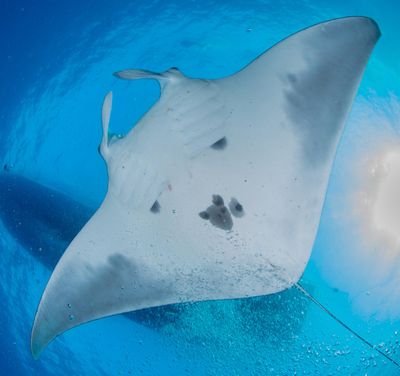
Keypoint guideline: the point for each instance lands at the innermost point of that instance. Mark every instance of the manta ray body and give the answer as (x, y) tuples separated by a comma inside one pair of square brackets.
[(217, 191)]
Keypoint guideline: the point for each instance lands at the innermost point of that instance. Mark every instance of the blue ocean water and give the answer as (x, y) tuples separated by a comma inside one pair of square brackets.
[(58, 57)]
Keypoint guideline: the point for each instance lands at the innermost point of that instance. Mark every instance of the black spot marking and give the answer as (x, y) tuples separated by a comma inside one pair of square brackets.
[(220, 144), (218, 214), (217, 200), (155, 208), (236, 208), (220, 217), (204, 215)]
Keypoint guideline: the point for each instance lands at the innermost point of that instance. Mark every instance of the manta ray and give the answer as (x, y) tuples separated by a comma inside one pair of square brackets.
[(217, 191)]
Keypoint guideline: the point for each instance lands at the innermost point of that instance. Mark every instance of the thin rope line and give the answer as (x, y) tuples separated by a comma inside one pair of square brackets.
[(369, 344)]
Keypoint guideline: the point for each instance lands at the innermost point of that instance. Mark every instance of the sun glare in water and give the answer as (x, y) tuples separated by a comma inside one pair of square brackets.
[(378, 202)]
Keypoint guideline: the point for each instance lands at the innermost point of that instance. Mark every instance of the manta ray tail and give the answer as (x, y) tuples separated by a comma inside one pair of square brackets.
[(340, 322)]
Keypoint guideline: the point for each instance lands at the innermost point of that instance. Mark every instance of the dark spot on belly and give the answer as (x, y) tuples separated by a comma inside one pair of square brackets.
[(236, 208), (204, 215), (217, 200), (155, 208), (220, 217), (218, 214), (220, 144)]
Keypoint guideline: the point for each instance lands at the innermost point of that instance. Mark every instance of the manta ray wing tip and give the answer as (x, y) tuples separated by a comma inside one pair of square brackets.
[(41, 335), (373, 25), (36, 347), (36, 344), (363, 22)]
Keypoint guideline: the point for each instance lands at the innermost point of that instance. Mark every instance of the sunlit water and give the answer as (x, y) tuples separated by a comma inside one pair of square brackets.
[(57, 63)]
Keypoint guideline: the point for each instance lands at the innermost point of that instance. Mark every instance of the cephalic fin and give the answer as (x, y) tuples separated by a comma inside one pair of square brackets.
[(138, 74), (105, 117)]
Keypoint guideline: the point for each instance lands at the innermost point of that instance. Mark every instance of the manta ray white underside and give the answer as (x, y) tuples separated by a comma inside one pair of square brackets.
[(217, 192)]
